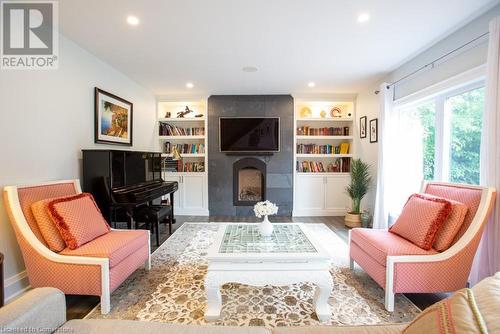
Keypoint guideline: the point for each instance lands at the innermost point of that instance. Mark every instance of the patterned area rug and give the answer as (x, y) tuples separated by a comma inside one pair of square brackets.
[(173, 292)]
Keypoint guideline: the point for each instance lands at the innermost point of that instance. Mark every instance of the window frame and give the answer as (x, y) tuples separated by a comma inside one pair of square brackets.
[(440, 94)]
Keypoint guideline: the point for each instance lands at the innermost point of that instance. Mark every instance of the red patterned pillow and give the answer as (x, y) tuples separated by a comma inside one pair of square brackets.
[(421, 219), (46, 225), (446, 234), (78, 219)]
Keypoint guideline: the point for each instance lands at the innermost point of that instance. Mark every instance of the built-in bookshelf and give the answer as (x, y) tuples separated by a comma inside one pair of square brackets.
[(323, 150), (323, 136), (183, 125)]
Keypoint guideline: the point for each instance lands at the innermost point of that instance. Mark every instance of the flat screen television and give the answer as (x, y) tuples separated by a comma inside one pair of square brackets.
[(249, 134)]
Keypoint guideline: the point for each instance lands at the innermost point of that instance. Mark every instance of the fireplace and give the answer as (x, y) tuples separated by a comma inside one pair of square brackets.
[(249, 181)]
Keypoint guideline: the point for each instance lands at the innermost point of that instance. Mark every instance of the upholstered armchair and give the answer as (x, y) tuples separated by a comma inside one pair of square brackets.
[(399, 266), (96, 268)]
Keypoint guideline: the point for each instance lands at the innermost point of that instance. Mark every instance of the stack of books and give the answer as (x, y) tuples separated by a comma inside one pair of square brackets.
[(194, 167), (331, 131), (185, 148), (310, 167), (343, 148), (174, 130), (170, 165), (341, 165)]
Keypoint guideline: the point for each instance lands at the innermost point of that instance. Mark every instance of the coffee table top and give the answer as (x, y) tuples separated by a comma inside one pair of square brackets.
[(245, 238), (242, 241)]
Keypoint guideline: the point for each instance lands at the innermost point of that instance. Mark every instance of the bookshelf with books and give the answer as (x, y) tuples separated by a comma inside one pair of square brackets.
[(182, 136), (324, 147)]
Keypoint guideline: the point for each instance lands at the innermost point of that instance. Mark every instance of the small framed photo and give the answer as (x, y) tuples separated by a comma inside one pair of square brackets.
[(113, 119), (362, 127), (374, 130)]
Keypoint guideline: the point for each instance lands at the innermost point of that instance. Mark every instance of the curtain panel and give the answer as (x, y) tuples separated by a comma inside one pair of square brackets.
[(487, 260)]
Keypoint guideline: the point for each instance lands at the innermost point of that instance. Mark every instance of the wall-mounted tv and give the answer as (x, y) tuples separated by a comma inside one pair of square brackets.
[(249, 134)]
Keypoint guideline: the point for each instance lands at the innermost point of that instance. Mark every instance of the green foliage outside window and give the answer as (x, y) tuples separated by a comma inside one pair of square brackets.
[(466, 124), (465, 117), (427, 112)]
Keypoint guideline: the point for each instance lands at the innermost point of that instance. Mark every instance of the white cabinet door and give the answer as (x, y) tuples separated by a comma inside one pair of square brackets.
[(193, 193), (309, 193), (178, 194), (336, 199)]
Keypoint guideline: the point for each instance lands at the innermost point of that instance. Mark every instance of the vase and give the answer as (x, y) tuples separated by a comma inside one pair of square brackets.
[(266, 228)]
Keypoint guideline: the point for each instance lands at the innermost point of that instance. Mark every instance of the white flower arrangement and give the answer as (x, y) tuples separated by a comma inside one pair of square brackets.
[(265, 208)]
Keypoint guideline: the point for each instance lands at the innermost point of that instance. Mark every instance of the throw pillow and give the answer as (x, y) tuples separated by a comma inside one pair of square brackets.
[(421, 219), (458, 313), (78, 219), (48, 229), (451, 225)]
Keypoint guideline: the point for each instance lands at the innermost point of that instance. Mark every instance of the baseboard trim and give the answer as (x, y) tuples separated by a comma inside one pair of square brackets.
[(318, 213), (191, 212), (16, 285)]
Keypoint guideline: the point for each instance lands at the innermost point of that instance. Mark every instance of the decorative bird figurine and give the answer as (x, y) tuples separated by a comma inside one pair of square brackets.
[(186, 111)]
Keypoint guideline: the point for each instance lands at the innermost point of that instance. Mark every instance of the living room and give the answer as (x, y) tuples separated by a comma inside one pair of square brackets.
[(249, 166)]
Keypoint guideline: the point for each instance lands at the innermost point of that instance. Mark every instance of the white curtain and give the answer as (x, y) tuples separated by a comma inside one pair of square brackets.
[(487, 260), (381, 214), (404, 158), (400, 164)]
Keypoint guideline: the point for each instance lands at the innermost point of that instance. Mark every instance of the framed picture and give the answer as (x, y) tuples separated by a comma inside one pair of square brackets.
[(113, 119), (362, 127), (374, 130)]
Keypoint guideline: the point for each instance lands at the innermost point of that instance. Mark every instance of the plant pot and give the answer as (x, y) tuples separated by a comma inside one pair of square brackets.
[(352, 220), (266, 228)]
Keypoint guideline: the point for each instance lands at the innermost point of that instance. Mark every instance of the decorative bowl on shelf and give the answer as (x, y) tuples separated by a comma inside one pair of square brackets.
[(305, 112), (336, 112)]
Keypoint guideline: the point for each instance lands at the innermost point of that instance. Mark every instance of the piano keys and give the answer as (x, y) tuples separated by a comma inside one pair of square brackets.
[(143, 192)]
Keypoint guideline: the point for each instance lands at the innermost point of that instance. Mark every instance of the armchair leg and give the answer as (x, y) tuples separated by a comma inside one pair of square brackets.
[(389, 300), (105, 303)]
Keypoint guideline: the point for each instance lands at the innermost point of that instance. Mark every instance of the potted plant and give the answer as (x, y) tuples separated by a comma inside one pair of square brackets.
[(357, 189)]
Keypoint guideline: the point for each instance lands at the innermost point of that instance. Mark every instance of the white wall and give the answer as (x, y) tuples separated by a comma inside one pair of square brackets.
[(46, 118), (367, 104)]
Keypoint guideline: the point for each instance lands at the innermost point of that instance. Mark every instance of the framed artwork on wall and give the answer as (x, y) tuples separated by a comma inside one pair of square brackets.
[(374, 130), (113, 119), (362, 127)]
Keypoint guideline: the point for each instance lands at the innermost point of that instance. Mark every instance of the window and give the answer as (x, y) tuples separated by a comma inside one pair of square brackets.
[(450, 129)]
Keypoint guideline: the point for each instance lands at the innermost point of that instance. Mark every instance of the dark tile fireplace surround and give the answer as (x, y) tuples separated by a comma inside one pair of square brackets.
[(236, 183)]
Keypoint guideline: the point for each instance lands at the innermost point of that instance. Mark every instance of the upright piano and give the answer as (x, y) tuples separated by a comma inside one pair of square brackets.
[(127, 179)]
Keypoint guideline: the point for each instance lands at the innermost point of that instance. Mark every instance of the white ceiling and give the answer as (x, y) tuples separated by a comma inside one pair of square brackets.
[(291, 42)]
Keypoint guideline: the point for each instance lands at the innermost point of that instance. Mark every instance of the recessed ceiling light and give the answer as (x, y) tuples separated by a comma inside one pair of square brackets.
[(363, 17), (189, 85), (249, 69), (311, 84), (132, 20)]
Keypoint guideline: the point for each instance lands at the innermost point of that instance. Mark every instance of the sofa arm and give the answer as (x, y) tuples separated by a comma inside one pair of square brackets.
[(40, 310)]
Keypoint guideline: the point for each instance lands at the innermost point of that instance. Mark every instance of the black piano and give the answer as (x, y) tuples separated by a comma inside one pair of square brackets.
[(120, 179)]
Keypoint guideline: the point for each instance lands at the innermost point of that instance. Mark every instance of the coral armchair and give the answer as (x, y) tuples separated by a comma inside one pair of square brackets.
[(399, 266), (96, 268)]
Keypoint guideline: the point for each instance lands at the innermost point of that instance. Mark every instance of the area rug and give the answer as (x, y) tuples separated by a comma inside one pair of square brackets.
[(172, 292)]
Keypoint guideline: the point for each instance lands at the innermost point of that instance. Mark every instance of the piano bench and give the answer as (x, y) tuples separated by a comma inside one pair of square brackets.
[(152, 215)]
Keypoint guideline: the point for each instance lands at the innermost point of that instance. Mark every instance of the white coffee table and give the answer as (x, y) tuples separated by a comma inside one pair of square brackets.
[(291, 255)]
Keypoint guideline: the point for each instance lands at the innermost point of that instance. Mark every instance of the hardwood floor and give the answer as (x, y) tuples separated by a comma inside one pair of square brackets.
[(79, 306)]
